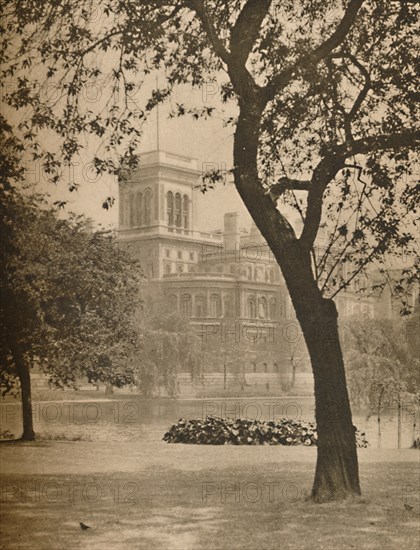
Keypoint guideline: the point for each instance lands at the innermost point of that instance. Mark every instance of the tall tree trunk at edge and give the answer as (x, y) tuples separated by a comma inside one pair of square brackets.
[(336, 475)]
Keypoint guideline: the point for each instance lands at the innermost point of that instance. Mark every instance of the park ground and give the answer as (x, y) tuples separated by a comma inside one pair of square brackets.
[(147, 494)]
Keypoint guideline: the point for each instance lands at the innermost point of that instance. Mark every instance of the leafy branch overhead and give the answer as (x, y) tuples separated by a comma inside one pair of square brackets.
[(321, 97), (335, 83), (68, 294)]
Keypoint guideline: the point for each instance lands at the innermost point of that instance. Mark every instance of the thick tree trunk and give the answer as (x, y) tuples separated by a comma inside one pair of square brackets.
[(25, 390), (336, 475)]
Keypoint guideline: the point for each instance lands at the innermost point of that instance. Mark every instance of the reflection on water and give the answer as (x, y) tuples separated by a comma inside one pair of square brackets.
[(124, 418)]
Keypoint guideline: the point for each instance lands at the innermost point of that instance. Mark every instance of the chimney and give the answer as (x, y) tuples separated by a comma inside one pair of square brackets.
[(231, 235)]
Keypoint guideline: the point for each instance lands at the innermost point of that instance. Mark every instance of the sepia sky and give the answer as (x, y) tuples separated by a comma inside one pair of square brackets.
[(209, 141)]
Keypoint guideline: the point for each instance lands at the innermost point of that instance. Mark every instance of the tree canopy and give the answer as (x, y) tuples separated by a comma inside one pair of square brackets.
[(324, 120), (68, 295), (337, 79)]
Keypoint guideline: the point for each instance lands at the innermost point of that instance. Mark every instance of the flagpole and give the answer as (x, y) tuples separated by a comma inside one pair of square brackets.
[(157, 119)]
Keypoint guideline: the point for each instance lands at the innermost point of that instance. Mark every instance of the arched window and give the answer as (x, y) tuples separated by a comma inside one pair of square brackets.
[(148, 207), (185, 213), (251, 308), (262, 308), (227, 306), (126, 210), (271, 275), (249, 273), (200, 306), (283, 310), (170, 207), (139, 209), (259, 273), (273, 308), (276, 367), (186, 305), (180, 268), (173, 303), (168, 268), (265, 367), (131, 210), (215, 306), (178, 210), (254, 367)]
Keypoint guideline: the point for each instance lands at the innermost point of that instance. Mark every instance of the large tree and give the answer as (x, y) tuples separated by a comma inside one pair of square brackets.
[(382, 371), (325, 94), (68, 296), (169, 345)]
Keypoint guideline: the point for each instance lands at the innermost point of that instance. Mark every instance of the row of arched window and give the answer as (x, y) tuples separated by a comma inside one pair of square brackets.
[(270, 274), (261, 309), (201, 308), (177, 210), (255, 309), (178, 268), (352, 307), (137, 209)]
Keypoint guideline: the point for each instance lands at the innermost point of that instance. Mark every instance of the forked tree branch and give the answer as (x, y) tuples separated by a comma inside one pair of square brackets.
[(323, 174), (200, 9), (284, 183), (333, 161), (370, 144), (281, 80), (363, 92), (341, 32), (246, 29)]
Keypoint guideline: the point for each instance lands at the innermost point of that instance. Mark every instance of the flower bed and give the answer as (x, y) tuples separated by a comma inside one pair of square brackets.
[(218, 431)]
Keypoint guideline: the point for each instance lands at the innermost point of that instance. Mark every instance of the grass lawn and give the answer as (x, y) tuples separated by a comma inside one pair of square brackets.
[(157, 496)]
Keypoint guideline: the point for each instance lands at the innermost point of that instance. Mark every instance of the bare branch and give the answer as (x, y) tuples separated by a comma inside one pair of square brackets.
[(99, 42), (200, 10), (247, 28), (365, 90), (322, 176), (361, 266), (341, 32), (282, 79), (277, 189), (376, 143)]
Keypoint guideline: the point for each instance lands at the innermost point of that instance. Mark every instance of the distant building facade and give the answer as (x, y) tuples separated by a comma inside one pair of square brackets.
[(226, 282)]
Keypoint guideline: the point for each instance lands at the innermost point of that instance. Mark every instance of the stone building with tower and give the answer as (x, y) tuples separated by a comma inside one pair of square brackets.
[(226, 282)]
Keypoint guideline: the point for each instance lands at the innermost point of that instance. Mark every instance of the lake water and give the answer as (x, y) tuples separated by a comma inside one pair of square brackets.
[(123, 418)]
